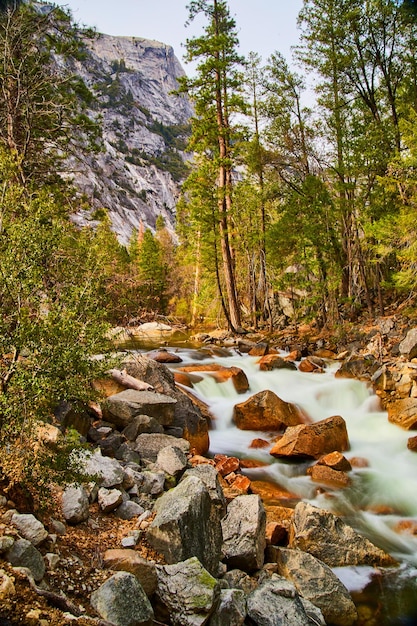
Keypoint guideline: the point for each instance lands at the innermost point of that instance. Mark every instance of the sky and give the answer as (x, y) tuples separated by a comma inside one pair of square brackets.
[(264, 26)]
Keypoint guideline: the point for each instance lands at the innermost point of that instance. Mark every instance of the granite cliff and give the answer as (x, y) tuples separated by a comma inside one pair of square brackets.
[(136, 175)]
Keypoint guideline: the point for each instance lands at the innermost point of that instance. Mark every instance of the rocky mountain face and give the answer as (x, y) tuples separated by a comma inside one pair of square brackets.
[(136, 175)]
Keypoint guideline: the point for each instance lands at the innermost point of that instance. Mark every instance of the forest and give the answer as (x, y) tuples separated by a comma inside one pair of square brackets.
[(289, 212)]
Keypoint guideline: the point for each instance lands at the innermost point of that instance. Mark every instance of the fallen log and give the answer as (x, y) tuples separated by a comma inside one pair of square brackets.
[(125, 379)]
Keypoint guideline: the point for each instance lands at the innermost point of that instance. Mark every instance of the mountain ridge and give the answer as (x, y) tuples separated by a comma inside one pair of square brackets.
[(136, 175)]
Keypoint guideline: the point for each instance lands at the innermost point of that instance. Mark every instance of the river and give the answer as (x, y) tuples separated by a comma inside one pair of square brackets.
[(382, 495)]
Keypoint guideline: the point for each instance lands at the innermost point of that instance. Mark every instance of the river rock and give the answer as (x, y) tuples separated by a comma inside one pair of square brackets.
[(186, 594), (403, 413), (122, 601), (149, 445), (336, 461), (316, 582), (24, 554), (312, 364), (313, 440), (265, 411), (259, 349), (130, 561), (187, 524), (244, 533), (276, 603), (412, 444), (231, 609), (328, 476), (171, 460), (75, 504), (121, 408), (271, 362), (362, 368), (164, 356), (210, 477), (30, 528), (408, 346), (330, 539), (187, 415)]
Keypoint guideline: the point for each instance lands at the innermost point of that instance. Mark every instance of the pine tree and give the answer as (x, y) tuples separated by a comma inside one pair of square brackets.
[(216, 93)]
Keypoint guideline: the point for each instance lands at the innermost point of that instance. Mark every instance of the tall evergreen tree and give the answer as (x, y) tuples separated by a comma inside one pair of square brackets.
[(216, 93)]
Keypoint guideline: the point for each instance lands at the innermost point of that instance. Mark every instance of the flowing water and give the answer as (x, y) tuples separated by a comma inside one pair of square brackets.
[(381, 496)]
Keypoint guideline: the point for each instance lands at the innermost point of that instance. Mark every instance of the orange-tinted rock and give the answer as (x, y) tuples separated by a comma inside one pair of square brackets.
[(336, 461), (407, 526), (227, 465), (281, 514), (275, 534), (221, 374), (260, 349), (328, 476), (412, 444), (259, 444), (164, 356), (107, 387), (271, 492), (198, 438), (197, 459), (183, 379), (403, 413), (251, 463), (358, 461), (325, 354), (313, 440), (265, 411), (294, 355), (240, 482), (271, 362), (309, 365)]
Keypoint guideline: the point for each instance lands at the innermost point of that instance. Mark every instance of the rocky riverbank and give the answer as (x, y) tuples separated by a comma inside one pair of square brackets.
[(162, 534)]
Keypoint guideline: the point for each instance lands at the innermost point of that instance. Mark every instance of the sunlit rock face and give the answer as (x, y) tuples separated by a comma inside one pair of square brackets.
[(136, 175)]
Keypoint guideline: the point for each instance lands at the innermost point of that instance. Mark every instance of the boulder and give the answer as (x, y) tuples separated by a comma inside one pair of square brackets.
[(24, 554), (187, 524), (412, 444), (171, 460), (330, 539), (316, 582), (313, 440), (408, 346), (236, 579), (187, 416), (276, 603), (244, 533), (312, 364), (130, 561), (265, 411), (336, 461), (122, 601), (362, 368), (149, 445), (403, 413), (30, 528), (231, 609), (328, 476), (186, 594), (259, 349), (210, 477), (271, 362), (122, 407), (75, 504)]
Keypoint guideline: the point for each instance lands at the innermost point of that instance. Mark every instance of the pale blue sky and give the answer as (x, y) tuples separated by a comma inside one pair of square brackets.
[(264, 25)]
